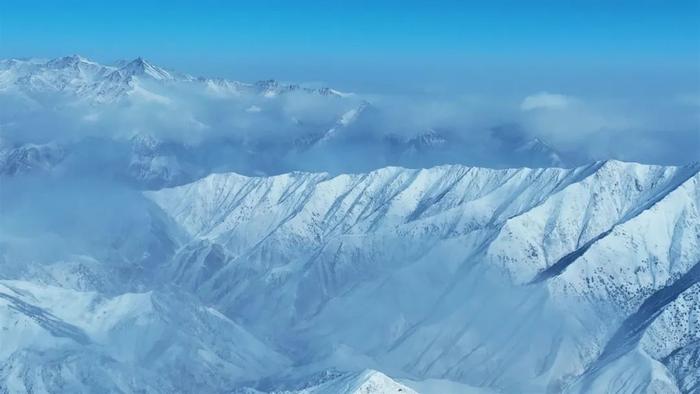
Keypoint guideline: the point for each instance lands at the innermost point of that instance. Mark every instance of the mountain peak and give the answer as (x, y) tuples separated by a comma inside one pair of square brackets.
[(75, 57), (141, 67), (68, 61), (137, 64), (431, 138)]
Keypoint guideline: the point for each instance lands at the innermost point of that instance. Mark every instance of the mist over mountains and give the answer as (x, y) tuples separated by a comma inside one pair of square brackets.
[(161, 232), (162, 127)]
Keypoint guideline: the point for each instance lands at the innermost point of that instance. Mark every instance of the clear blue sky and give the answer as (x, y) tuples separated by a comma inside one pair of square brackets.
[(377, 43)]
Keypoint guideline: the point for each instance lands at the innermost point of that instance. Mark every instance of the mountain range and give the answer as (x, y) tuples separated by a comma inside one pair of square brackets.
[(517, 280), (172, 127), (164, 233)]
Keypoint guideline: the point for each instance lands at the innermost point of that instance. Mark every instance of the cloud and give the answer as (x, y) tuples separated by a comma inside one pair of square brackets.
[(246, 133), (659, 130), (545, 100)]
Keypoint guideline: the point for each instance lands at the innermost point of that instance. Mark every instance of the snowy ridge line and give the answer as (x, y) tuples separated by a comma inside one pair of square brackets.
[(664, 178), (561, 265), (260, 284), (573, 177), (252, 183), (300, 205), (423, 205), (103, 84), (576, 174)]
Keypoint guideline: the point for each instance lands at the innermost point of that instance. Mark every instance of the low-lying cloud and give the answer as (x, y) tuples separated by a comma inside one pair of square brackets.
[(652, 130), (545, 100)]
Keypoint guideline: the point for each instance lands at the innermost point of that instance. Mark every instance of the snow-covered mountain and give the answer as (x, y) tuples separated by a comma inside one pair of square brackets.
[(90, 81), (26, 158), (203, 125), (161, 232), (57, 339), (447, 279)]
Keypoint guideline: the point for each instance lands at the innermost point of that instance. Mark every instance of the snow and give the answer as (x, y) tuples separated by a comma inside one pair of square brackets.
[(366, 382), (389, 268), (352, 238), (163, 330), (441, 386), (443, 279), (86, 80)]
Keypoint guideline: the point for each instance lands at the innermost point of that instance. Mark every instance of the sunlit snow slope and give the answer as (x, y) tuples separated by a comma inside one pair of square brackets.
[(454, 278)]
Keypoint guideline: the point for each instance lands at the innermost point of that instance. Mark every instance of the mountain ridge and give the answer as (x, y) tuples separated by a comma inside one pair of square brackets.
[(169, 233), (361, 223), (426, 275), (105, 83)]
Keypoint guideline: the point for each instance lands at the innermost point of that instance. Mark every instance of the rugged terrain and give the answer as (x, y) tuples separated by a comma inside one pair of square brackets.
[(161, 232), (518, 280)]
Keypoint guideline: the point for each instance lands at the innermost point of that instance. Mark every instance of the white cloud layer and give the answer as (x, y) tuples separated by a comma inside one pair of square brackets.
[(545, 100)]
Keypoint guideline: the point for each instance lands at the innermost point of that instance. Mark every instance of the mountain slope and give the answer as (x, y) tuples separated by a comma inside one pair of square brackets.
[(341, 258), (514, 280), (86, 80), (56, 339), (202, 125)]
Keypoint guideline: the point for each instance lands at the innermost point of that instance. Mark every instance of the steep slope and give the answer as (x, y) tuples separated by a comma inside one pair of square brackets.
[(397, 263), (57, 340), (206, 125), (465, 278)]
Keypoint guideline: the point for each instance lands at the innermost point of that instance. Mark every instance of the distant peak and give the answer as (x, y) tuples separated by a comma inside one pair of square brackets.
[(141, 67), (67, 61), (120, 62), (75, 57), (431, 138), (267, 82), (141, 62), (138, 62)]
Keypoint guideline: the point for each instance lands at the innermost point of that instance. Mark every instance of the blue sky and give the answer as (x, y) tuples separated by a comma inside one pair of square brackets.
[(502, 45)]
